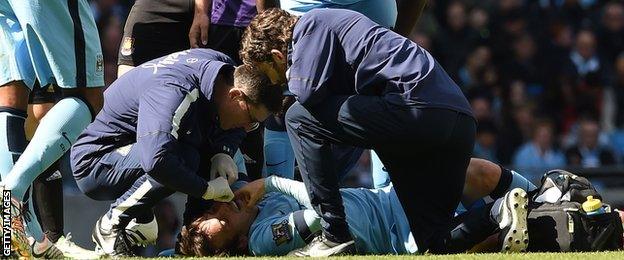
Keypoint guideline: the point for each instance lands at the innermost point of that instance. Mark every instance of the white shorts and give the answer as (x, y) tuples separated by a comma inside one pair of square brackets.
[(53, 41)]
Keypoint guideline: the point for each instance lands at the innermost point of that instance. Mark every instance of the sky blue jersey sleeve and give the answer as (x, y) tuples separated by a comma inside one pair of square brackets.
[(279, 234), (288, 187)]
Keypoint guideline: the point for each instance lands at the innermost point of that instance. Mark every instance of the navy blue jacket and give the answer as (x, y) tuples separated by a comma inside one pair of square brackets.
[(342, 52), (160, 106)]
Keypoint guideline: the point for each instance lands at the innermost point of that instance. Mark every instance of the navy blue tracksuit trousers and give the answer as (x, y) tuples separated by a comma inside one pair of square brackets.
[(426, 151)]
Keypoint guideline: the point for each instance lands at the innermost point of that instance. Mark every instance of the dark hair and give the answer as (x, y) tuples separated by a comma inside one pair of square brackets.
[(258, 88), (193, 243), (271, 29)]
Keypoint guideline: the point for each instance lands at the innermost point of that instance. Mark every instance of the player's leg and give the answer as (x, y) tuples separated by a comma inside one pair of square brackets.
[(60, 47), (506, 216), (13, 104), (429, 178), (149, 34), (279, 158), (67, 50), (17, 77), (314, 135), (130, 221), (118, 175), (47, 190), (485, 178)]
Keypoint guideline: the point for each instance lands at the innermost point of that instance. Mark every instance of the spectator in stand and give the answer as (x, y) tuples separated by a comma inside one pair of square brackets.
[(481, 103), (588, 152), (452, 44), (479, 21), (539, 154), (611, 30), (617, 137), (525, 65), (516, 130), (485, 145), (470, 74), (588, 74), (584, 59)]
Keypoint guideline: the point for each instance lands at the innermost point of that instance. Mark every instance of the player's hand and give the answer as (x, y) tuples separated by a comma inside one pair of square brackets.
[(223, 165), (198, 34), (251, 193), (219, 190)]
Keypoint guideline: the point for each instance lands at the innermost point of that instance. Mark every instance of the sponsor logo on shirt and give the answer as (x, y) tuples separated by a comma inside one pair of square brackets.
[(169, 60)]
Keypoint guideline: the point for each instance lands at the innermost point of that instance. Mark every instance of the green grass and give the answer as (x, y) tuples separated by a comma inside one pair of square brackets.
[(533, 256)]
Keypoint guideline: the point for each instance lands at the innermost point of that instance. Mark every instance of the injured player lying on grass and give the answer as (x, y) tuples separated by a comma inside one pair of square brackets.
[(273, 216)]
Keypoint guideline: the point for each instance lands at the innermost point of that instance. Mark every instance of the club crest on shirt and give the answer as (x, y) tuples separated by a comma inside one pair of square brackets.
[(127, 46), (281, 233)]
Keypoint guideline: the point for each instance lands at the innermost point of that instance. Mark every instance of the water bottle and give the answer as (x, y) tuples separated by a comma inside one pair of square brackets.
[(593, 206)]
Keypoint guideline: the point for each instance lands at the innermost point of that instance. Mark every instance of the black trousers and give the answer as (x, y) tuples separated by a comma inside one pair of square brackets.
[(426, 151)]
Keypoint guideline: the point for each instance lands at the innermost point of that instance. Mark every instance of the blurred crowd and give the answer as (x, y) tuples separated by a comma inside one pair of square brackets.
[(545, 78)]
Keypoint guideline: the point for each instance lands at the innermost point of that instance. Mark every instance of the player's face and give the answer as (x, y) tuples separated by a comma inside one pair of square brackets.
[(243, 114), (227, 222)]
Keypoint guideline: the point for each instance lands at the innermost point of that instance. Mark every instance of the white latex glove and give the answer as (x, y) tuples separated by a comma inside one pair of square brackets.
[(223, 165), (219, 190)]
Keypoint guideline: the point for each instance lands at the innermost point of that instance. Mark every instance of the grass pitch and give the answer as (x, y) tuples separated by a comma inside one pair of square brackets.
[(533, 256)]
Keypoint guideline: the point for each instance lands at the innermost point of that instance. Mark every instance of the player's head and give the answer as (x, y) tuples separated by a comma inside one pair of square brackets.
[(265, 42), (251, 99), (222, 230)]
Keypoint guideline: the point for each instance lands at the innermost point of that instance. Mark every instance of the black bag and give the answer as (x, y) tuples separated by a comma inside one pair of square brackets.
[(557, 222)]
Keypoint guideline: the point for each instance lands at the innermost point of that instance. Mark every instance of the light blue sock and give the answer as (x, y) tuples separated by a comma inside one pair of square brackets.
[(381, 178), (279, 157), (56, 132), (12, 138), (33, 228), (518, 181)]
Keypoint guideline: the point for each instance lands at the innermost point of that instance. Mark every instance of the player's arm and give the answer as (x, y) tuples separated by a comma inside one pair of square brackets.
[(254, 191), (408, 13), (262, 5), (312, 65), (198, 34), (161, 112), (280, 235)]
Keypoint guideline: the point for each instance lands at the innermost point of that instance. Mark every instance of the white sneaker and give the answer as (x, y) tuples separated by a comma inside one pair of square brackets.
[(70, 249), (111, 242), (321, 247), (512, 220), (142, 234)]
